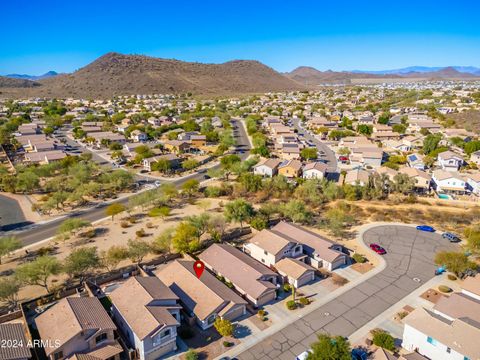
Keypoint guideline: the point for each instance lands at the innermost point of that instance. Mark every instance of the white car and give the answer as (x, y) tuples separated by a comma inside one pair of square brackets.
[(158, 183), (304, 355)]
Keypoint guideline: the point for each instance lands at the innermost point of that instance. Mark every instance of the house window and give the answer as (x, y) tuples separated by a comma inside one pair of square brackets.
[(449, 350), (100, 338), (58, 355), (211, 319), (265, 252), (166, 333), (432, 341)]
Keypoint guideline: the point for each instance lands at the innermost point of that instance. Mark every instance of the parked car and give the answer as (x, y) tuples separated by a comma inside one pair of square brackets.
[(157, 183), (378, 249), (451, 237), (303, 355), (359, 354), (425, 228)]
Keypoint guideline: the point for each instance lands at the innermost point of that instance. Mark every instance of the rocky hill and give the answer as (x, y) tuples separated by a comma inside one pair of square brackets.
[(118, 74), (6, 82)]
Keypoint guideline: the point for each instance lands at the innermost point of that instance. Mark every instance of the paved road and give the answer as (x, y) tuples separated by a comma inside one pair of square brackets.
[(44, 231), (10, 213), (325, 152), (409, 256)]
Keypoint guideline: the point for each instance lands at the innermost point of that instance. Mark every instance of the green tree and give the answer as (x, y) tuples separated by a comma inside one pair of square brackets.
[(38, 271), (239, 210), (109, 259), (402, 183), (190, 187), (384, 118), (472, 235), (189, 164), (114, 209), (9, 288), (399, 128), (27, 181), (308, 153), (456, 262), (138, 249), (7, 245), (296, 211), (163, 242), (228, 163), (365, 129), (186, 238), (224, 326), (81, 262), (161, 165), (191, 355), (337, 219), (330, 348), (430, 143)]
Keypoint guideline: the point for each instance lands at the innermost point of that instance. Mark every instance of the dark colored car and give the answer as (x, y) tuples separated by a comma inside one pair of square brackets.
[(378, 249), (451, 237), (425, 228)]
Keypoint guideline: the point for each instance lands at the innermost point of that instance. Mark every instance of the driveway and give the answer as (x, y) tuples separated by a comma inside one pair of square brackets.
[(409, 263), (11, 214)]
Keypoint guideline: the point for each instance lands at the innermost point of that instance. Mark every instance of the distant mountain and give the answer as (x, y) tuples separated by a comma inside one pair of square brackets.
[(117, 74), (7, 82), (443, 73), (419, 69), (310, 76), (33, 77)]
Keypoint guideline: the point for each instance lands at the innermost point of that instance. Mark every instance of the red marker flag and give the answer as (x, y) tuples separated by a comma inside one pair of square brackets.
[(198, 266)]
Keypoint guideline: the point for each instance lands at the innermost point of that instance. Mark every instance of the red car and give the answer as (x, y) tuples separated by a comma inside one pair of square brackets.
[(378, 249)]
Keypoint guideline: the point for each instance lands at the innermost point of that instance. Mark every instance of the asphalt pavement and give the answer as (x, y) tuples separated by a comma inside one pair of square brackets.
[(409, 264), (39, 232), (325, 153)]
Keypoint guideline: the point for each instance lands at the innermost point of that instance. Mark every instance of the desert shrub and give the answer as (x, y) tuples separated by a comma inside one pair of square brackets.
[(140, 233), (359, 258), (261, 313), (87, 234), (402, 314), (191, 355), (287, 287), (383, 339), (227, 344), (451, 277), (291, 305), (339, 280), (47, 250), (132, 220), (304, 301), (444, 289), (124, 224), (212, 191), (149, 225)]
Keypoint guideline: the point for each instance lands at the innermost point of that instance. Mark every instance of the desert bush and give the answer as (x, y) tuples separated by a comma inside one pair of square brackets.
[(149, 225), (287, 287), (339, 280), (227, 344), (124, 225), (261, 313), (383, 339), (304, 301), (444, 288), (359, 258), (132, 220), (140, 233), (451, 277), (291, 305), (402, 314)]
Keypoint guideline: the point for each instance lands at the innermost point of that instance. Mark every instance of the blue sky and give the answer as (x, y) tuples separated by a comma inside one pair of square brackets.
[(37, 36)]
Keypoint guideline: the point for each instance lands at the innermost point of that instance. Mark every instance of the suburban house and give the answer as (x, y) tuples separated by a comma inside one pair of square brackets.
[(422, 180), (14, 333), (107, 136), (372, 156), (290, 151), (44, 157), (295, 272), (416, 161), (448, 181), (198, 140), (475, 157), (290, 168), (176, 146), (471, 287), (389, 172), (267, 167), (450, 161), (203, 299), (172, 159), (287, 240), (138, 136), (78, 325), (450, 330), (357, 177), (314, 170), (255, 281), (148, 315), (473, 183)]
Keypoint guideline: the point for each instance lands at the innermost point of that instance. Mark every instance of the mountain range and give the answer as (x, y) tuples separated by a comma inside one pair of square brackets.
[(420, 69), (117, 74), (32, 77)]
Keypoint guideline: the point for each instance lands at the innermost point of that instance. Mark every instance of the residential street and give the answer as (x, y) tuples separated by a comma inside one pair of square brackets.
[(325, 152), (41, 232), (409, 264)]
